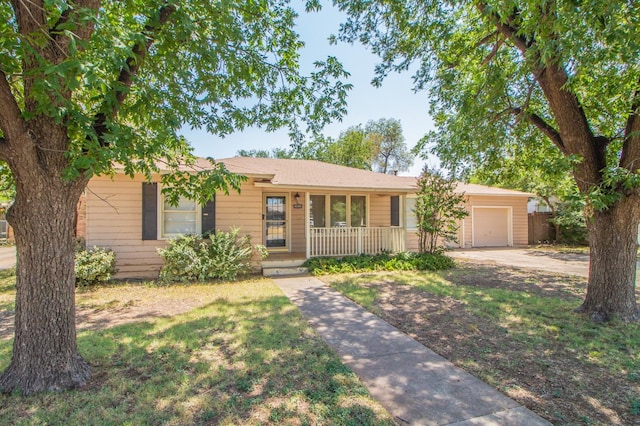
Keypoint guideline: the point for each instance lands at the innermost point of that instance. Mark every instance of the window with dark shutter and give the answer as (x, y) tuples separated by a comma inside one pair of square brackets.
[(149, 211), (395, 210), (209, 217)]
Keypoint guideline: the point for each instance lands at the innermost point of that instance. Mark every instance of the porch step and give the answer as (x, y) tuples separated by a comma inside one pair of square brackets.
[(282, 263), (280, 271)]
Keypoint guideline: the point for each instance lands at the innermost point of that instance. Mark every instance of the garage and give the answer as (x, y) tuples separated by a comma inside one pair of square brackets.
[(491, 226)]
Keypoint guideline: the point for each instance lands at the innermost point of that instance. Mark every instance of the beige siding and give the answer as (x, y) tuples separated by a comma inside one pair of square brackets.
[(379, 210), (518, 219), (114, 220), (297, 228), (242, 211), (412, 241)]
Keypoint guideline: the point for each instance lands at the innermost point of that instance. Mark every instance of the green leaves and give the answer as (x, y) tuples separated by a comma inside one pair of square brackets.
[(121, 80), (438, 210), (197, 183)]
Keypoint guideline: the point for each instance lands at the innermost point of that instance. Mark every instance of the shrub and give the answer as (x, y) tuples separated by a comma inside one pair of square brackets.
[(94, 266), (223, 256), (379, 262)]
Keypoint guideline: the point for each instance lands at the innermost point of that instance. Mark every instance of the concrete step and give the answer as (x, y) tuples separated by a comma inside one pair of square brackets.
[(284, 271), (284, 263)]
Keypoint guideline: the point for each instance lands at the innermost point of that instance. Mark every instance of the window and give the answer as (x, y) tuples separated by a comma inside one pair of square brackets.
[(161, 220), (317, 211), (179, 220), (337, 211), (358, 210), (410, 220)]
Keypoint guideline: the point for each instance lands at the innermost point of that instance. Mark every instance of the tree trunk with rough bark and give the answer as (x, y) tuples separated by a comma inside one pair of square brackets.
[(611, 291), (45, 354)]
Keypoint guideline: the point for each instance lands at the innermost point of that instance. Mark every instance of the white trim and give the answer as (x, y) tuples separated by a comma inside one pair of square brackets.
[(407, 212), (462, 226), (509, 223), (287, 220), (160, 217), (307, 224), (327, 206)]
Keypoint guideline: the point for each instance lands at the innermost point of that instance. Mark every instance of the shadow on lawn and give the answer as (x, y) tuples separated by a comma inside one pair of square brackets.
[(528, 344), (229, 362)]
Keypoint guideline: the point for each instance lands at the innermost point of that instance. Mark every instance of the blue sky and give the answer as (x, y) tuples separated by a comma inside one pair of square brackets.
[(395, 99)]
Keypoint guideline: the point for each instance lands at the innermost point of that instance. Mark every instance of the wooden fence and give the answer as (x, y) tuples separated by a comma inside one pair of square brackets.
[(540, 229)]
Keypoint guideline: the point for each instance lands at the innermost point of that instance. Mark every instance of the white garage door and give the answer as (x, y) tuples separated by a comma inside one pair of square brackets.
[(491, 227)]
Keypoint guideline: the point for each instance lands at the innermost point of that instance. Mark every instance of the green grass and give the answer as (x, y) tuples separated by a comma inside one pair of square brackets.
[(245, 357), (528, 318)]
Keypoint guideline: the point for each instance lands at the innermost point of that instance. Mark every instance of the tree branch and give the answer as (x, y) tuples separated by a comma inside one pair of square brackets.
[(547, 129), (630, 158), (129, 71), (11, 121), (573, 125), (83, 32)]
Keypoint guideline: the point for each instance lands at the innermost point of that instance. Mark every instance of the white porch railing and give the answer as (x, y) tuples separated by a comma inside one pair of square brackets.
[(353, 241)]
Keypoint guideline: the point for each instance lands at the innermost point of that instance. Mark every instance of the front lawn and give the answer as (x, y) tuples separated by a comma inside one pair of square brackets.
[(225, 354), (515, 329)]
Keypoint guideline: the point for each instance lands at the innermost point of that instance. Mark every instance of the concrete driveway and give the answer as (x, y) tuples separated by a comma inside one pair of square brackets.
[(546, 260), (7, 257)]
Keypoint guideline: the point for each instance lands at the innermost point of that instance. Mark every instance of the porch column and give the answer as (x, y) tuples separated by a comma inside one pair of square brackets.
[(307, 218)]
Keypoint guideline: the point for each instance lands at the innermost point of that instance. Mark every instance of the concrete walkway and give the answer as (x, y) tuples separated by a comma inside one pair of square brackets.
[(7, 257), (415, 385)]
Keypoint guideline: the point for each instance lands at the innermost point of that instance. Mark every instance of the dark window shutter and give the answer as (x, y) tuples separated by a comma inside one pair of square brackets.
[(209, 217), (395, 210), (149, 211)]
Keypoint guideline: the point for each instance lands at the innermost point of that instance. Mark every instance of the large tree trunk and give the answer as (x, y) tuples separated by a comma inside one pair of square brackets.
[(611, 291), (45, 354)]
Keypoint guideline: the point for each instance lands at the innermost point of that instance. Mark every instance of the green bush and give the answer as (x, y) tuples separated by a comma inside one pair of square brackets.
[(223, 256), (94, 266), (379, 262)]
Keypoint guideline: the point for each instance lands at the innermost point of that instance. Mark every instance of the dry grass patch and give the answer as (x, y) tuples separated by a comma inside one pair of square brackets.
[(516, 330), (199, 354)]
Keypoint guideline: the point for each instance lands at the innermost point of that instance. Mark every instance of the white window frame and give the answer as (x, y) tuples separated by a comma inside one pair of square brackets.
[(164, 236), (327, 207), (408, 212), (286, 195)]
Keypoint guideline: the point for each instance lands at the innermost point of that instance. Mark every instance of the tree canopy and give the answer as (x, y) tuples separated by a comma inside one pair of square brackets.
[(378, 146), (391, 154), (87, 86), (501, 74)]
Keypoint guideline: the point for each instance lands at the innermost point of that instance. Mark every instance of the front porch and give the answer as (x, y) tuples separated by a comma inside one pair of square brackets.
[(310, 224), (348, 241), (335, 242)]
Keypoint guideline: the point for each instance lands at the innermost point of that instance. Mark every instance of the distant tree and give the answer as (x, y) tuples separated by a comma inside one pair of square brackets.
[(438, 210), (391, 154), (257, 153), (263, 153), (353, 149), (316, 148), (86, 84)]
